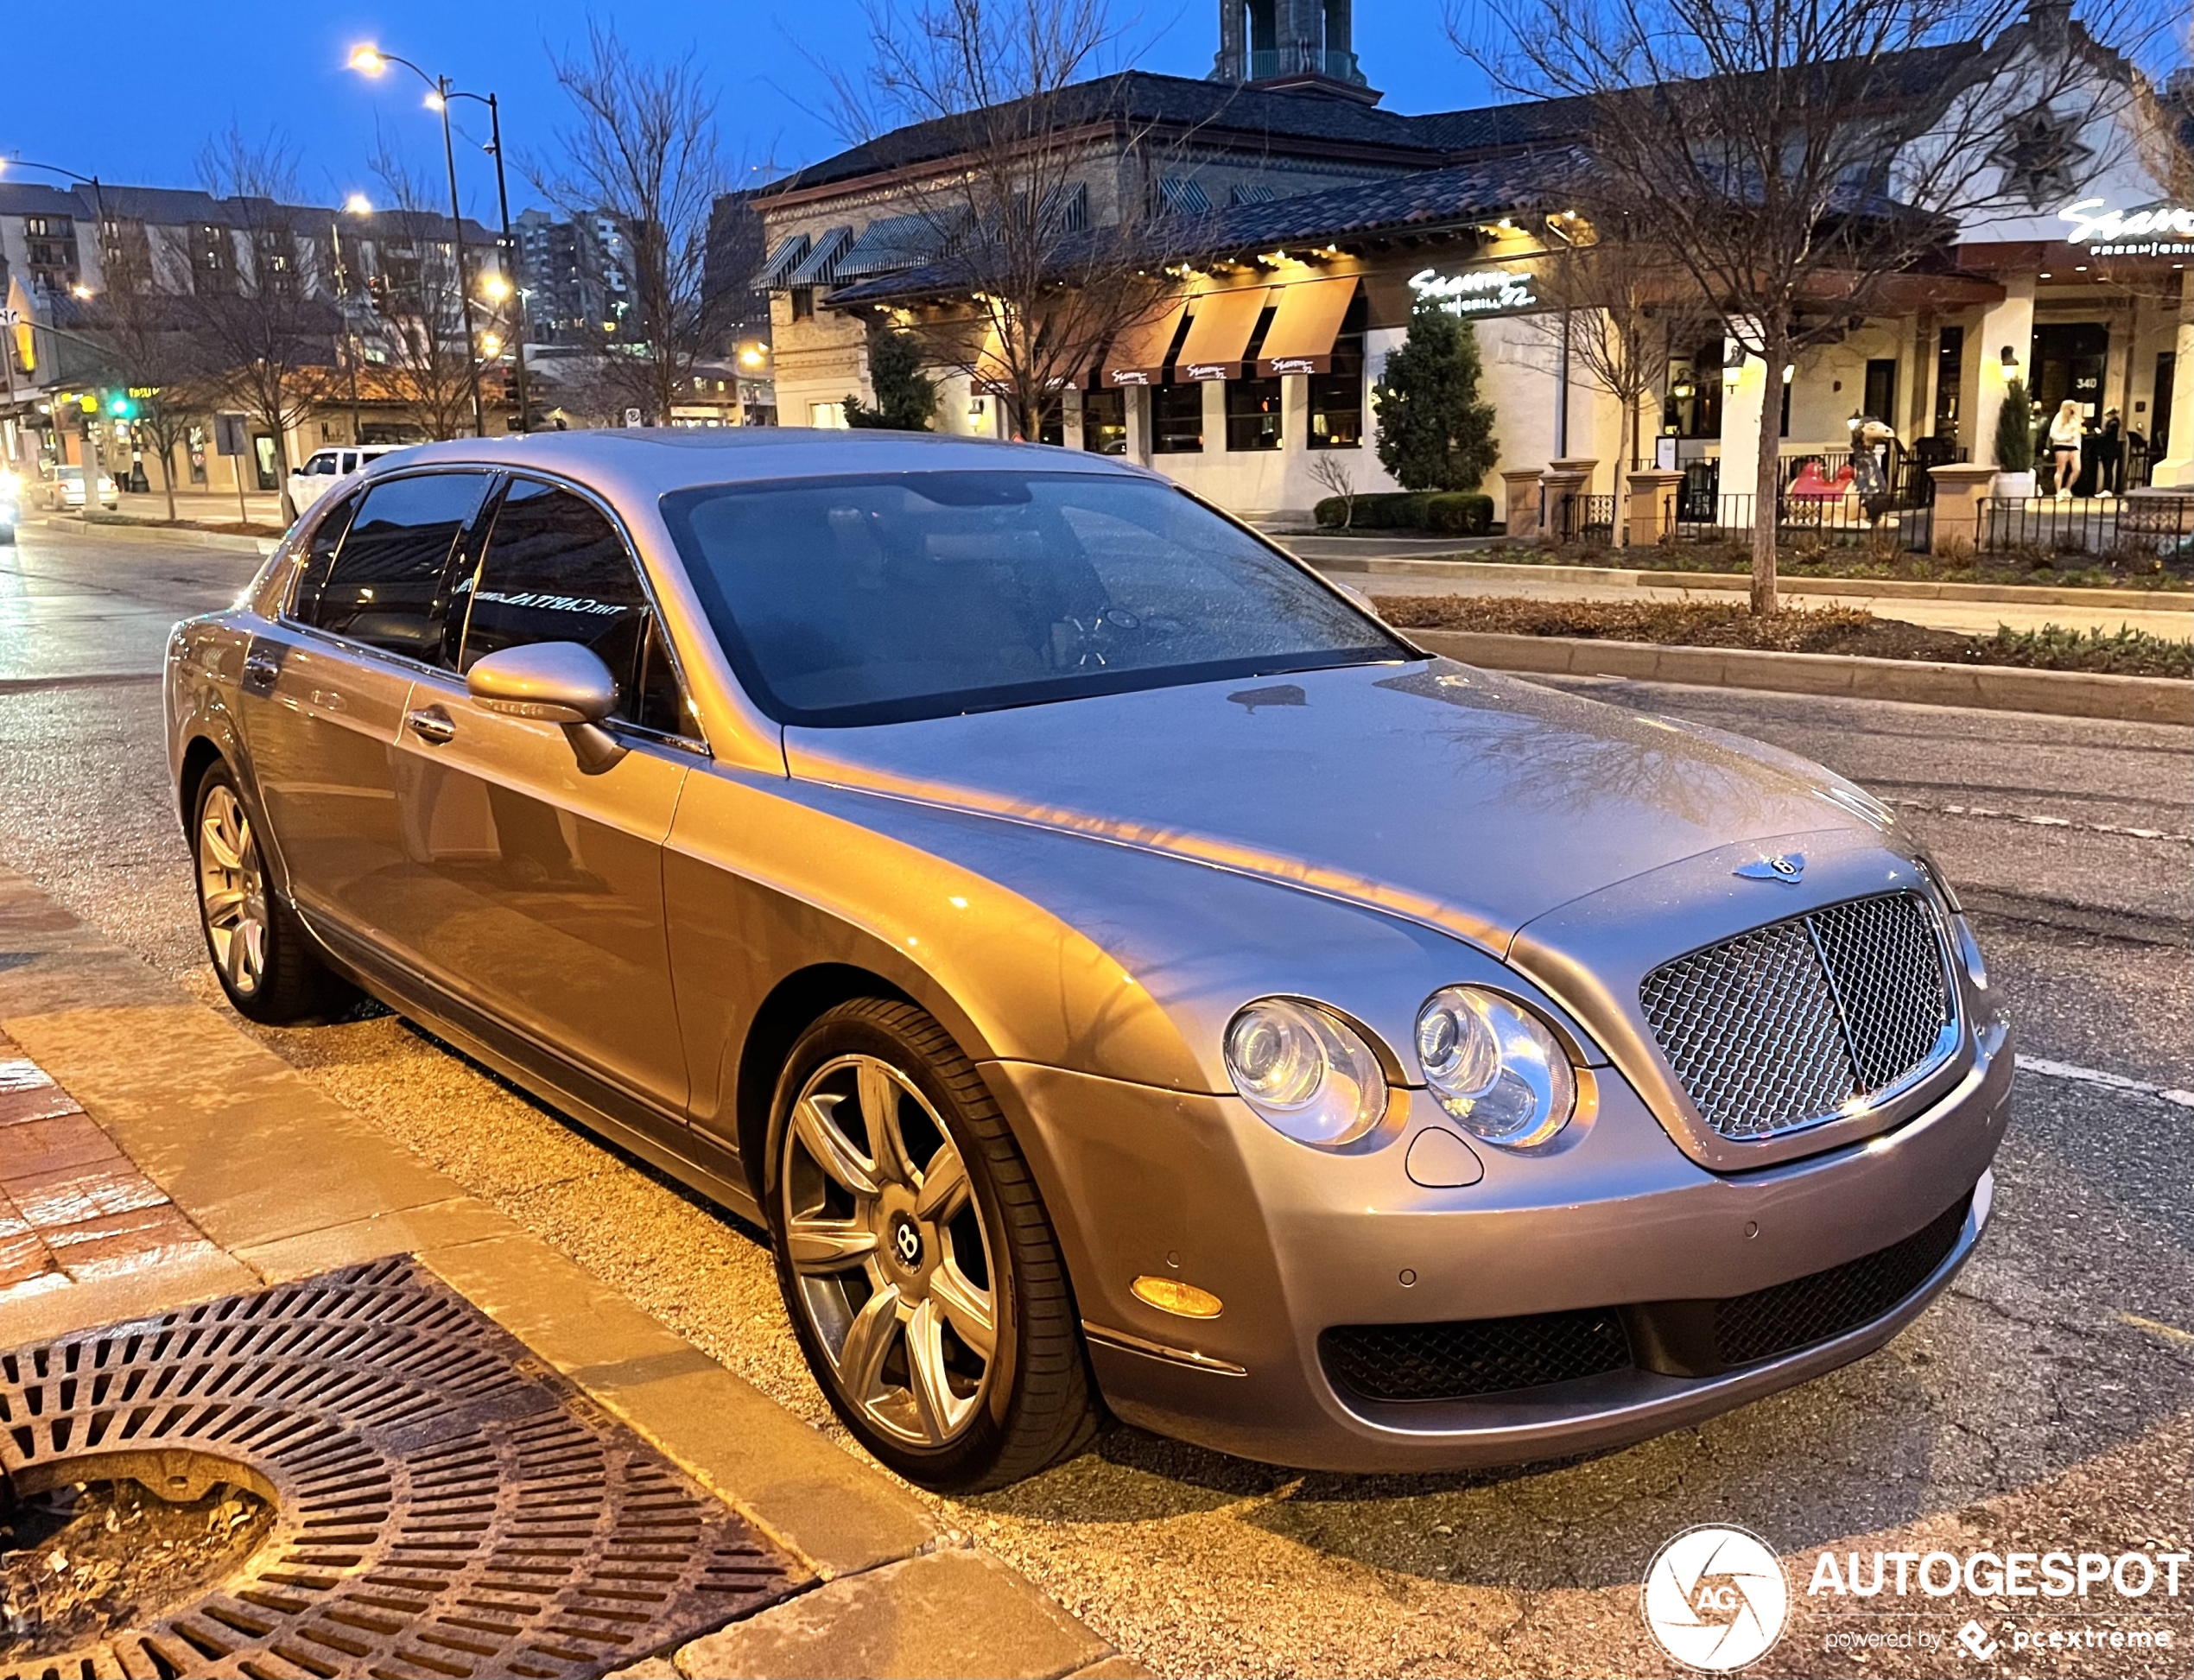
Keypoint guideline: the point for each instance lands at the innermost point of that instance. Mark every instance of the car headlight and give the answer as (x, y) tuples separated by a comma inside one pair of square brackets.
[(1306, 1072), (1493, 1065)]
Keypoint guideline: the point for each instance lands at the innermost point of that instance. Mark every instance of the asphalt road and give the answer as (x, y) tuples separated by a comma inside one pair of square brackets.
[(2043, 1404)]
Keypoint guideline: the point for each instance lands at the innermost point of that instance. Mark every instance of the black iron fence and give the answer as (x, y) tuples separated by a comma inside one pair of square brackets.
[(1840, 523), (2158, 526), (1578, 518)]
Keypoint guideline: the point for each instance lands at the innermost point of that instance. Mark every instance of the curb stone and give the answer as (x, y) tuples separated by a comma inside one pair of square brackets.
[(1917, 681), (1908, 589), (285, 1183), (187, 536)]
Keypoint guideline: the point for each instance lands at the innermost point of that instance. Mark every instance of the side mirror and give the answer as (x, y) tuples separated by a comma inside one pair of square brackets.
[(558, 682)]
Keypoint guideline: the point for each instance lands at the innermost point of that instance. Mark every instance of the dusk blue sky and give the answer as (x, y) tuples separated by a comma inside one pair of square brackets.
[(130, 91)]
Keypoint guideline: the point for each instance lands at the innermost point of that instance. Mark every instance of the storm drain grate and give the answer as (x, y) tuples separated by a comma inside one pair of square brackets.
[(446, 1506)]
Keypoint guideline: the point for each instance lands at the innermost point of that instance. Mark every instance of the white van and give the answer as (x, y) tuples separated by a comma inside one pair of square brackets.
[(311, 481)]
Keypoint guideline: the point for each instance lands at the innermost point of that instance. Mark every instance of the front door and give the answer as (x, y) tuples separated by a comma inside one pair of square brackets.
[(548, 881), (323, 692)]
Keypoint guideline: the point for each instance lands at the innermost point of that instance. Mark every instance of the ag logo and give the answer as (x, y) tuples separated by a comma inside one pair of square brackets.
[(1715, 1598)]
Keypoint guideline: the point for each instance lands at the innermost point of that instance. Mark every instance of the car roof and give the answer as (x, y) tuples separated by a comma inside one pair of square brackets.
[(648, 462)]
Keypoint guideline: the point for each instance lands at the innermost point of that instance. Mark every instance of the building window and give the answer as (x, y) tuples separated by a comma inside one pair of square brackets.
[(828, 416), (1177, 419), (1881, 389), (1337, 394), (1051, 428), (1252, 413), (803, 304), (1950, 374), (1104, 421)]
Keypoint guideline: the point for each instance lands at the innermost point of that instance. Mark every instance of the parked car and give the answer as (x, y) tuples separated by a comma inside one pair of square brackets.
[(1117, 969), (65, 490), (312, 480), (10, 503)]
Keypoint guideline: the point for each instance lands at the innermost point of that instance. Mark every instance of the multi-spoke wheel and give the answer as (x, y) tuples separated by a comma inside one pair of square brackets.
[(921, 1274), (264, 958)]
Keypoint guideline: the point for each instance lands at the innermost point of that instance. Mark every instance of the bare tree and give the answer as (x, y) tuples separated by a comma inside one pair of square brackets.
[(418, 305), (641, 148), (267, 337), (1330, 471), (1041, 205), (1794, 156), (1631, 309), (147, 346)]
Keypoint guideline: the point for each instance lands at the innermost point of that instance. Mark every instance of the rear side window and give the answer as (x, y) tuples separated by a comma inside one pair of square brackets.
[(320, 465), (556, 570), (387, 583)]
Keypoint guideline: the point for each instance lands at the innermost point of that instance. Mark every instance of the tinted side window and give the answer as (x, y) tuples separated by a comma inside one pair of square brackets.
[(389, 584), (556, 570), (319, 558)]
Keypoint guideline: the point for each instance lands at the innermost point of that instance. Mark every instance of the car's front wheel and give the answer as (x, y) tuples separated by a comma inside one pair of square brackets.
[(262, 953), (923, 1275)]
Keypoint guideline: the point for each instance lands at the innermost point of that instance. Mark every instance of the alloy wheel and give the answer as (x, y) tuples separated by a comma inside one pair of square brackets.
[(889, 1252), (231, 888)]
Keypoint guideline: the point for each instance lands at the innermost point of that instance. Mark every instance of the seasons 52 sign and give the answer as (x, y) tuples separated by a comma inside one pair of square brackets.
[(1477, 291), (2155, 230)]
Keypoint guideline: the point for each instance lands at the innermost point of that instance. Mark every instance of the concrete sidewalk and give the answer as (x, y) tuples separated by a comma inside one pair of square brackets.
[(152, 1157)]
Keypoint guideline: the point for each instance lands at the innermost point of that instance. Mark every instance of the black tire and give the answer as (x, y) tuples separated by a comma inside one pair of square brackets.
[(289, 984), (1037, 1402)]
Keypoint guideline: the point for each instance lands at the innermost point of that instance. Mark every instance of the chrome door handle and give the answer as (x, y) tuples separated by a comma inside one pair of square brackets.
[(260, 668), (432, 724)]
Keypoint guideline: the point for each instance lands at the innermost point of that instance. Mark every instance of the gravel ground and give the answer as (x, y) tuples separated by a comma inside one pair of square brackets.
[(2042, 1404)]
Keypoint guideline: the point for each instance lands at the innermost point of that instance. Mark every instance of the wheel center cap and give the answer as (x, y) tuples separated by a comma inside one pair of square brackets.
[(905, 1240)]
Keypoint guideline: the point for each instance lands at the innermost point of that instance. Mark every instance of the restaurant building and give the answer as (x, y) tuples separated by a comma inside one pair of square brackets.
[(1292, 287)]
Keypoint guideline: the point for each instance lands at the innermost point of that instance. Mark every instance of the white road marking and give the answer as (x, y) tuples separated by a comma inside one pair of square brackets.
[(2132, 1088), (2041, 822)]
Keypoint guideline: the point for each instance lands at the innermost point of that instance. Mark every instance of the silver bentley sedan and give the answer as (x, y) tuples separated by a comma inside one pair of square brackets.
[(1121, 973)]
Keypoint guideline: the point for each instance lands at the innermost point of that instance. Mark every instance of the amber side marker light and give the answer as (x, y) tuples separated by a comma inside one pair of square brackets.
[(1183, 1300)]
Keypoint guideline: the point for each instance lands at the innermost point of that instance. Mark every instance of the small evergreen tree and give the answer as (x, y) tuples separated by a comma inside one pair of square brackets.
[(1433, 433), (905, 397), (2015, 438)]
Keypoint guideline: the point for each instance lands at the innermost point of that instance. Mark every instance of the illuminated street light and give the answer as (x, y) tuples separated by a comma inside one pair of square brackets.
[(495, 288), (367, 60), (491, 345), (358, 205)]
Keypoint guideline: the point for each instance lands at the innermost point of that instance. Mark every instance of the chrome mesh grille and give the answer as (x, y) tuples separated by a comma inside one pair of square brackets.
[(1792, 1022)]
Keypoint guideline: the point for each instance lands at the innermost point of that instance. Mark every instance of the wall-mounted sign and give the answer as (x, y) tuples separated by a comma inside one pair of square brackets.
[(1477, 291), (2153, 229)]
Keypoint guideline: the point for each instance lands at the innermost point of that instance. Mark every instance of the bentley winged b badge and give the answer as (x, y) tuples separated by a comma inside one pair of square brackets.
[(1786, 867)]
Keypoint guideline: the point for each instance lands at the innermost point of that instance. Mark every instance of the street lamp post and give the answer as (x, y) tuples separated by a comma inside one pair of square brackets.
[(372, 60), (355, 205)]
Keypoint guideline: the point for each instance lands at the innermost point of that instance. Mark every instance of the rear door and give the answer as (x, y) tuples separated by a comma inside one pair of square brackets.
[(547, 883), (324, 690)]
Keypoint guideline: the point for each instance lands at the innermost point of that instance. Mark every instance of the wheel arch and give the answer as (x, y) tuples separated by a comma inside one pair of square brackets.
[(794, 1004), (200, 754)]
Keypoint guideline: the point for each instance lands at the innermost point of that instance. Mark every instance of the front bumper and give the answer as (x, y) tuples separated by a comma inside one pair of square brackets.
[(1295, 1241)]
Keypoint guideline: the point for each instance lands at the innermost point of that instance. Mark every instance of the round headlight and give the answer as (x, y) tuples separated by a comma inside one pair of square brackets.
[(1494, 1067), (1306, 1072)]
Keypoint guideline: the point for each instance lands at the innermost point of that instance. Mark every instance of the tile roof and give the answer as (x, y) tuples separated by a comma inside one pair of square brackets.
[(1427, 200)]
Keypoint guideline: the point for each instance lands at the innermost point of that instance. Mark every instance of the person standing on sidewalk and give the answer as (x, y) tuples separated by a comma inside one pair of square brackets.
[(2065, 444), (2110, 455)]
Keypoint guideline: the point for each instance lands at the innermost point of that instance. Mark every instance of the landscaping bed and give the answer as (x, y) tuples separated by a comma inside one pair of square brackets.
[(1837, 630), (2123, 570)]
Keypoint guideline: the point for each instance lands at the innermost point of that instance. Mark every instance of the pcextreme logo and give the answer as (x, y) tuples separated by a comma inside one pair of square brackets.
[(1715, 1598)]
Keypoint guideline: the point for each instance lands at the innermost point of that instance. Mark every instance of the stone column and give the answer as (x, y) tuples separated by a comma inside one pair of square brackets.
[(1522, 506), (1643, 512), (2010, 323), (2176, 470), (1744, 388), (1564, 483), (1959, 492)]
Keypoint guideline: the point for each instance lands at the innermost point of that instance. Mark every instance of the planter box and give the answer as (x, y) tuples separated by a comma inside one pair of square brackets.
[(2010, 486)]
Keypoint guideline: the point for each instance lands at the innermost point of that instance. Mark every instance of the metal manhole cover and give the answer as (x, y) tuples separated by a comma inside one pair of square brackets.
[(446, 1506)]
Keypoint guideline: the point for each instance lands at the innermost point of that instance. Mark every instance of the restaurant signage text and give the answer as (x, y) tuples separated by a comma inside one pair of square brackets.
[(1476, 291), (2153, 229)]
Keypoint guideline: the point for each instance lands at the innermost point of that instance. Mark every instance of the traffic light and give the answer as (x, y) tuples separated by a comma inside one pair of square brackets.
[(120, 405)]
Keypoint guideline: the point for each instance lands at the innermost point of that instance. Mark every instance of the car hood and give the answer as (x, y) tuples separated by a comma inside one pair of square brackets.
[(1458, 798)]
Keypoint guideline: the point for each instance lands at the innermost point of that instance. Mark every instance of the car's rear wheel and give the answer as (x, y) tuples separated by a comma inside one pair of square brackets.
[(262, 953), (921, 1273)]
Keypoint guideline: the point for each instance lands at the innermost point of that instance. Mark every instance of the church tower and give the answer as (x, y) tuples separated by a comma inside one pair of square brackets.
[(1301, 46)]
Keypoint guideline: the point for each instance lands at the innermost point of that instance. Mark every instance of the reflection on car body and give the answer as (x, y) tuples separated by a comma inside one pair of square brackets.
[(1119, 971)]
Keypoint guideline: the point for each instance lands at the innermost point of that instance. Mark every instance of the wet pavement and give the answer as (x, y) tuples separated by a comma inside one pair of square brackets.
[(2043, 1404)]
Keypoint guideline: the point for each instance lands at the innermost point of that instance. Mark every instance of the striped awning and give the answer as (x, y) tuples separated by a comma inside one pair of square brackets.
[(820, 266), (887, 246), (1182, 195), (779, 263)]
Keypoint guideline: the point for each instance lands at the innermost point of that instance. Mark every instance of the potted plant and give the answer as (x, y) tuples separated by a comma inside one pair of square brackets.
[(2014, 444)]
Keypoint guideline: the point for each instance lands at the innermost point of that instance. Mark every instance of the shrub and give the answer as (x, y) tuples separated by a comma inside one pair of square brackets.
[(1451, 513), (1433, 433), (2015, 440)]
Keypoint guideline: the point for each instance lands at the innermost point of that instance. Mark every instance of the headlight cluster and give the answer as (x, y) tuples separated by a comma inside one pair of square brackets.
[(1490, 1064)]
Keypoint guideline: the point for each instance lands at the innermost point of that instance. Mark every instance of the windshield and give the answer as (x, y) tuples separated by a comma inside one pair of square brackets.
[(885, 597)]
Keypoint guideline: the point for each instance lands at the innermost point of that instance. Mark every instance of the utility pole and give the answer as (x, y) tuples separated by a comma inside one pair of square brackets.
[(443, 92), (509, 258)]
